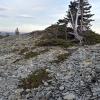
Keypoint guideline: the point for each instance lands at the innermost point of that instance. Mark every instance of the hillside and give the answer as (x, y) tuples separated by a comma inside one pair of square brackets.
[(31, 72)]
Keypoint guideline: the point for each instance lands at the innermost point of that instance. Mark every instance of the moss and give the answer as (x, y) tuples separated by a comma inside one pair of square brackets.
[(61, 58), (55, 42), (35, 79)]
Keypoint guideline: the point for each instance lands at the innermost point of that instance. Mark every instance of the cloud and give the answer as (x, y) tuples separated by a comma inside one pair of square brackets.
[(3, 16), (31, 27), (25, 16), (38, 8), (23, 28), (28, 13), (4, 8)]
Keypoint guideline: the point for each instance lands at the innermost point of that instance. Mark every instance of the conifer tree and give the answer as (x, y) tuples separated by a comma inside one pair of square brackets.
[(63, 22), (84, 20), (79, 17)]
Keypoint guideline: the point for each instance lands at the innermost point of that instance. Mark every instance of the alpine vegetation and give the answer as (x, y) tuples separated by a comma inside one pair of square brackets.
[(61, 62), (78, 17)]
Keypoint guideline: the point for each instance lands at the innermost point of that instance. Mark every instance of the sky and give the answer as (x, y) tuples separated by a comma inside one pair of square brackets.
[(30, 15)]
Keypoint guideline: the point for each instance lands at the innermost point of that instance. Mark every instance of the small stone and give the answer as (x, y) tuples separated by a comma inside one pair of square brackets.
[(61, 88), (12, 97), (48, 70), (0, 78), (58, 74), (28, 90), (67, 77), (48, 95), (29, 96), (59, 98), (82, 83), (45, 83), (69, 97), (19, 91)]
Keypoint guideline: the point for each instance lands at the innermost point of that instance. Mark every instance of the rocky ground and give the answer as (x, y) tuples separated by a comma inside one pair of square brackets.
[(76, 78)]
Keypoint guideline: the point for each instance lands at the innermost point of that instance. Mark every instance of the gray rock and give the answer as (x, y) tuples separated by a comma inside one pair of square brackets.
[(48, 95), (76, 74), (12, 97), (45, 84), (28, 90), (69, 96), (61, 88), (59, 98)]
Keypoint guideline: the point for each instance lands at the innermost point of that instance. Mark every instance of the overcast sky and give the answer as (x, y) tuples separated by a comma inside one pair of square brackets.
[(31, 15)]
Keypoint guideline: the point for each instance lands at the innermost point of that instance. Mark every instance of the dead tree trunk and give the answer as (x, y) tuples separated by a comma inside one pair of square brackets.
[(81, 10), (75, 23)]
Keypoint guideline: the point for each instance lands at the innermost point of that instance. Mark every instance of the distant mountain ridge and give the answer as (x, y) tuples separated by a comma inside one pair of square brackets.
[(6, 33)]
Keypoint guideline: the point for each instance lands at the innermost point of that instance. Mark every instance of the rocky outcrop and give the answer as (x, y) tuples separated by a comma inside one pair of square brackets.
[(76, 78)]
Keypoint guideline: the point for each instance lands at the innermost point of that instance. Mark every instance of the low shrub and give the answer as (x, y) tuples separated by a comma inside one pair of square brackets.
[(35, 79), (30, 55), (22, 51), (55, 42), (91, 38), (34, 54), (61, 58)]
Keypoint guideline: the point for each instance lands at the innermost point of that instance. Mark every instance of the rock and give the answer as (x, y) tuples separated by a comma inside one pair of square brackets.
[(67, 77), (0, 78), (45, 83), (61, 88), (58, 74), (59, 98), (70, 75), (29, 96), (48, 95), (69, 96), (19, 91), (49, 71), (12, 97), (28, 90)]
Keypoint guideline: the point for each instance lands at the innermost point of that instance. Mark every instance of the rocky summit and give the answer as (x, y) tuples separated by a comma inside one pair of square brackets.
[(77, 77)]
